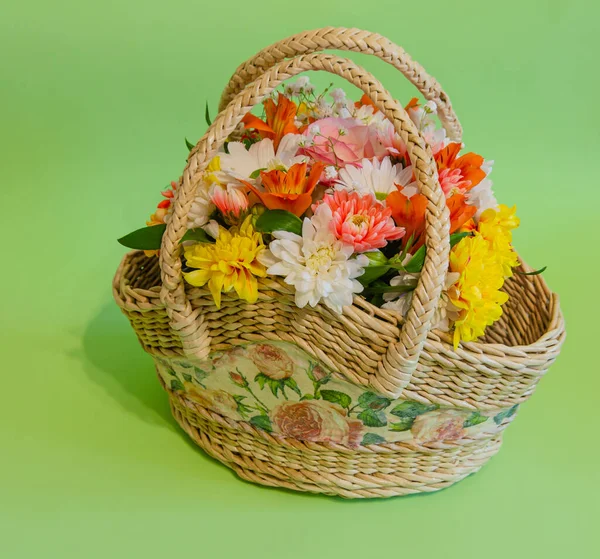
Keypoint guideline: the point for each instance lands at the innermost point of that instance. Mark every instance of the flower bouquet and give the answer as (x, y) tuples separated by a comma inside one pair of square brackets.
[(334, 277)]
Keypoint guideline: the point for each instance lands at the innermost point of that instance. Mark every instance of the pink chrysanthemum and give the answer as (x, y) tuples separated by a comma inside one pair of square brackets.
[(230, 200), (452, 181), (361, 221)]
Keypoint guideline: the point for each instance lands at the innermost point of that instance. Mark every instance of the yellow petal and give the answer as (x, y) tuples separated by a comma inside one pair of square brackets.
[(215, 284)]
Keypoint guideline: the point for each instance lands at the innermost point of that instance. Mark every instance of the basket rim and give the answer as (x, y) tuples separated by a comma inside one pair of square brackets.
[(146, 300)]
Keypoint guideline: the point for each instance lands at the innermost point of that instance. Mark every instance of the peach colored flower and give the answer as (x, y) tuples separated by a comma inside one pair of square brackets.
[(361, 221), (218, 401), (440, 425), (341, 141), (271, 361), (231, 200), (316, 421)]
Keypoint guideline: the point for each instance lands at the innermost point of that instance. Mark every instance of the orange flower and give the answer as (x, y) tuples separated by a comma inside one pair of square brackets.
[(460, 211), (365, 101), (280, 120), (289, 190), (409, 213), (412, 104), (460, 174)]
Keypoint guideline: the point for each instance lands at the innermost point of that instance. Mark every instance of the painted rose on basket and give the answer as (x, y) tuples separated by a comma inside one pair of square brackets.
[(316, 421), (320, 194), (441, 425), (271, 361), (219, 401)]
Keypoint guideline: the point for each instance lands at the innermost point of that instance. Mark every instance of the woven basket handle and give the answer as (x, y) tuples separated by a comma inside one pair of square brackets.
[(352, 40), (398, 364)]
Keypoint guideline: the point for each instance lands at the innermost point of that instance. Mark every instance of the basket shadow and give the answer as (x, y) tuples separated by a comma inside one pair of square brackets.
[(113, 359)]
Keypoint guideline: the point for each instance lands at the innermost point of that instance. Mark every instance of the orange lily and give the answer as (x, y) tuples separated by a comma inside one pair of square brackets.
[(289, 190), (469, 165), (280, 120), (460, 211), (409, 213), (364, 101), (412, 104)]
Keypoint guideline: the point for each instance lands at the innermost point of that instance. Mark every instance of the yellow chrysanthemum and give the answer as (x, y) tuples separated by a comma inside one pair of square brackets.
[(496, 226), (477, 293), (230, 263)]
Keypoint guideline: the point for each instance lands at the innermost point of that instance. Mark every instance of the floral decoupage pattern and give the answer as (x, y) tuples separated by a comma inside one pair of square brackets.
[(279, 388)]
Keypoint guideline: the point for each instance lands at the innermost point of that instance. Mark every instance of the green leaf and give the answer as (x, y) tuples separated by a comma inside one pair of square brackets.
[(261, 379), (504, 414), (372, 273), (391, 288), (200, 374), (373, 418), (475, 419), (189, 145), (535, 273), (197, 234), (256, 174), (373, 401), (372, 438), (307, 397), (279, 220), (176, 384), (412, 409), (403, 425), (416, 262), (262, 422), (146, 238), (207, 115), (187, 377), (275, 385), (293, 385), (336, 397)]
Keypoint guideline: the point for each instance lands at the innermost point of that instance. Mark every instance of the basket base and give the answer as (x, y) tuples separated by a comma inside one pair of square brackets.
[(336, 472)]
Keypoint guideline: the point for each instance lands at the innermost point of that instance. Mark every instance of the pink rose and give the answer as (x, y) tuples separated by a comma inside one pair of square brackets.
[(219, 401), (316, 421), (230, 358), (272, 361), (341, 141), (440, 425)]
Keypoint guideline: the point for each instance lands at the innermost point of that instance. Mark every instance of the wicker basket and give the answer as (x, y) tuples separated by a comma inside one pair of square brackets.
[(444, 409)]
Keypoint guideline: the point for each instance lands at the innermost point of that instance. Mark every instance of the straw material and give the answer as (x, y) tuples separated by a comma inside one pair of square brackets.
[(367, 346)]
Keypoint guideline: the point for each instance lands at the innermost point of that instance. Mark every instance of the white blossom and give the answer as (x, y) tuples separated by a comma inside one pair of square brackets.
[(317, 264)]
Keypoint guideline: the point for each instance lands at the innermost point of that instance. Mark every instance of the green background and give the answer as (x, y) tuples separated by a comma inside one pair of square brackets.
[(95, 101)]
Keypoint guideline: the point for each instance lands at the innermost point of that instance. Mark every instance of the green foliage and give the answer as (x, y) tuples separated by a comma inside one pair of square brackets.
[(176, 385), (262, 422), (279, 220), (336, 398), (372, 438), (373, 418), (475, 419), (146, 238), (504, 414)]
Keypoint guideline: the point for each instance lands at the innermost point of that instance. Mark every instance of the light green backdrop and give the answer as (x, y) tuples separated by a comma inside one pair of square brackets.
[(95, 100)]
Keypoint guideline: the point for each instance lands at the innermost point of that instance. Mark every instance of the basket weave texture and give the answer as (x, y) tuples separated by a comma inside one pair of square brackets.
[(366, 347)]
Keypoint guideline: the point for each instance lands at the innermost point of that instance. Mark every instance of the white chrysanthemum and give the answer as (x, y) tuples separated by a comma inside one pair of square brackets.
[(482, 196), (445, 312), (374, 177), (201, 209), (240, 162), (317, 264)]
